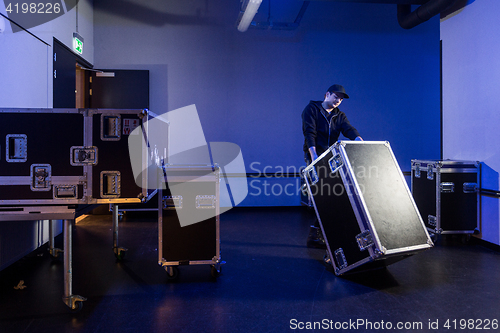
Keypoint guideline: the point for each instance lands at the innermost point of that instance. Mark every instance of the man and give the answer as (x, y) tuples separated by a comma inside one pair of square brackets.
[(322, 124)]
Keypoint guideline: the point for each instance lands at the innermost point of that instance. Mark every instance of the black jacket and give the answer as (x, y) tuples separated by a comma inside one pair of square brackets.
[(321, 131)]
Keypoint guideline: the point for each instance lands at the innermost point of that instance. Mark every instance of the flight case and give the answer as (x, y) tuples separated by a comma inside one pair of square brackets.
[(69, 156), (52, 160), (447, 194), (364, 206), (188, 218)]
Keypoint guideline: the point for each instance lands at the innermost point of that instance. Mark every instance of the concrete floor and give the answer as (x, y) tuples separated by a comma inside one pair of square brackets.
[(271, 282)]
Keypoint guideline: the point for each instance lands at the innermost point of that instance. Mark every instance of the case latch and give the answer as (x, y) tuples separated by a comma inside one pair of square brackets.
[(81, 156), (16, 148), (448, 187), (417, 170), (171, 202), (364, 240), (430, 172), (41, 176)]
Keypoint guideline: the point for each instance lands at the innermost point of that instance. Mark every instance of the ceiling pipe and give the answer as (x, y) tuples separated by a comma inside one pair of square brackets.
[(408, 19)]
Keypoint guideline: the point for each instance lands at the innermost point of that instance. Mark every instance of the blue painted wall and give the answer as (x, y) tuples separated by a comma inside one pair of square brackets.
[(250, 88)]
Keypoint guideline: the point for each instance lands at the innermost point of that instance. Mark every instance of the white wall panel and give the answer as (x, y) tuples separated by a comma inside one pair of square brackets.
[(471, 72)]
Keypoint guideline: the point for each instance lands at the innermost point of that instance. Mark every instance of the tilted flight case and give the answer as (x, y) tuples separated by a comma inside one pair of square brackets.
[(447, 194), (188, 218), (364, 206)]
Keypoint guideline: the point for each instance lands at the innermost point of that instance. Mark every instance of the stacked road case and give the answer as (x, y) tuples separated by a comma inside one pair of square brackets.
[(364, 206), (188, 218), (68, 156), (447, 195)]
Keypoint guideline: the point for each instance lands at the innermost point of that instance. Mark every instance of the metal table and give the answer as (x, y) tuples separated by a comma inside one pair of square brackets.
[(51, 213)]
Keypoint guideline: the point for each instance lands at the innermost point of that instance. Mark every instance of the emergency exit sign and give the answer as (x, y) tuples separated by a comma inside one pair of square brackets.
[(77, 43)]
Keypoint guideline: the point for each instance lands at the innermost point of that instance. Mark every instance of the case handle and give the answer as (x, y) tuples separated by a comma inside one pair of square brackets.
[(171, 202), (335, 163), (312, 174), (470, 188), (448, 187)]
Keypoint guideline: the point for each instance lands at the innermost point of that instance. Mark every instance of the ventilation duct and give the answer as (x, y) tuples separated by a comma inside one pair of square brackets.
[(270, 25), (408, 19)]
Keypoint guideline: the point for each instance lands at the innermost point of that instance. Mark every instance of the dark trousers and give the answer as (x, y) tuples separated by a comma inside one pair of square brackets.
[(307, 159)]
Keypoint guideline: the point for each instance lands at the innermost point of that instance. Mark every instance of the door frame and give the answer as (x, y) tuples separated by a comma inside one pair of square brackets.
[(83, 79)]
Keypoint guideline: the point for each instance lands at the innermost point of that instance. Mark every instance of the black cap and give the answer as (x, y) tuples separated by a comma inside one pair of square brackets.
[(338, 89)]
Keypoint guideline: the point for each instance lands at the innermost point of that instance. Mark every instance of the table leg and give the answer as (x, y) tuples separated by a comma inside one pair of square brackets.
[(74, 302)]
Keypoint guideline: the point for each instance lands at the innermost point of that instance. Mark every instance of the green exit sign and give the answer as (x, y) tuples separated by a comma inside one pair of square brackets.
[(77, 43)]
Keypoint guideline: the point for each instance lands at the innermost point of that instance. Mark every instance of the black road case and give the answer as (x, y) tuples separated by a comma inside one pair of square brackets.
[(35, 160), (54, 159), (364, 206), (70, 156), (188, 218), (447, 194)]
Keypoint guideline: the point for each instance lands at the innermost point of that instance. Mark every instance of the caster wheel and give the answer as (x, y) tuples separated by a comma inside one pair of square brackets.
[(78, 307), (435, 237), (120, 255), (172, 273), (54, 253), (215, 272), (327, 260)]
